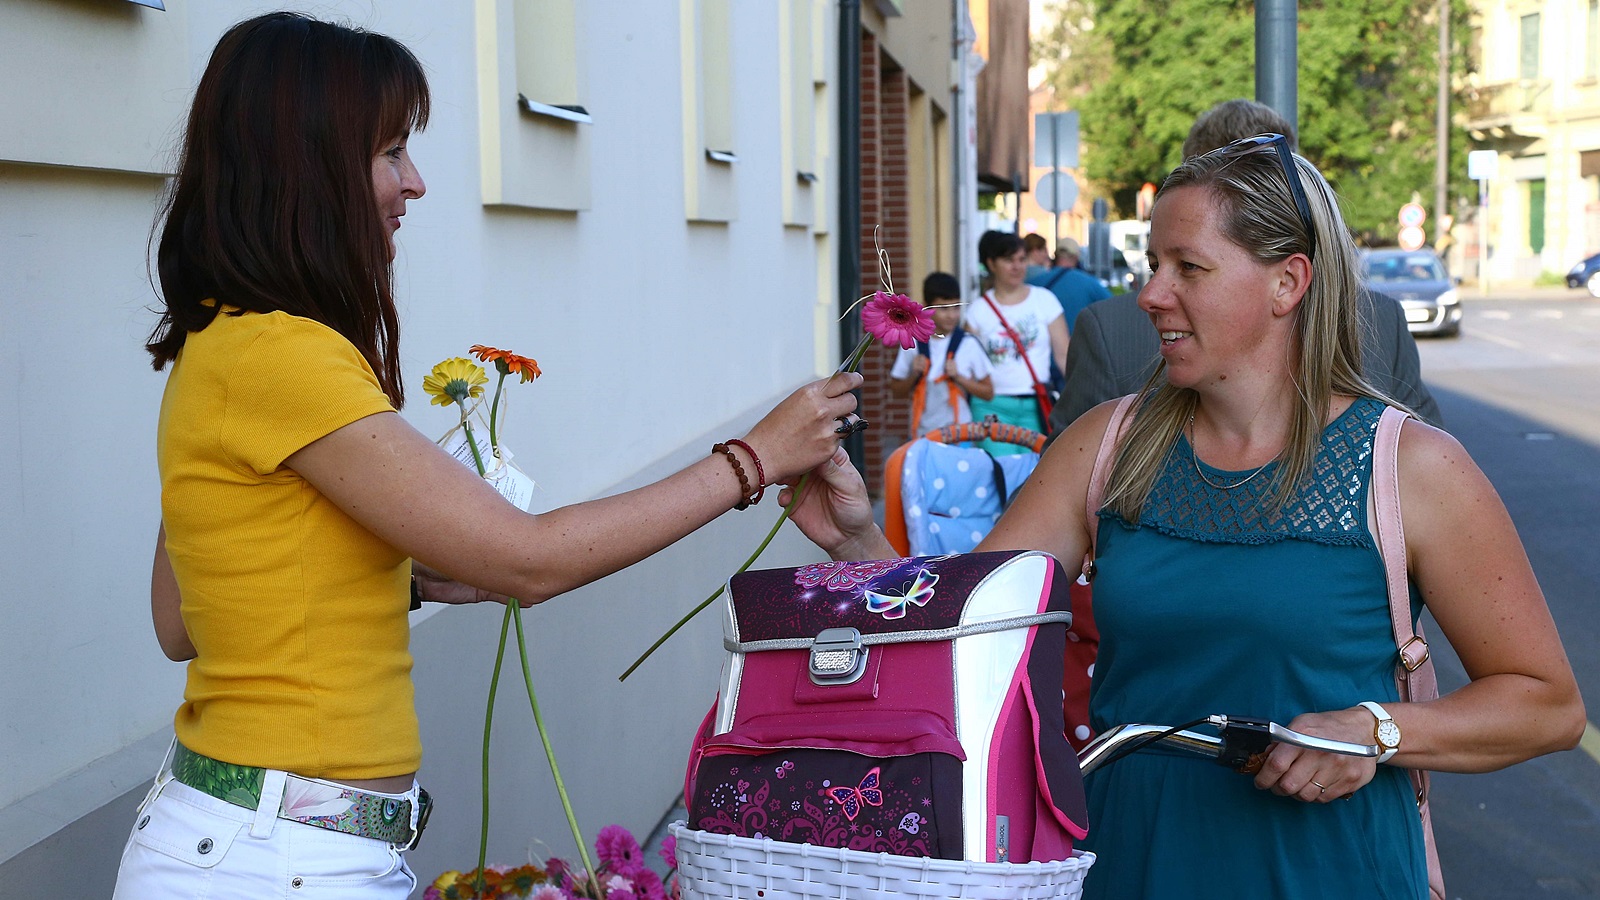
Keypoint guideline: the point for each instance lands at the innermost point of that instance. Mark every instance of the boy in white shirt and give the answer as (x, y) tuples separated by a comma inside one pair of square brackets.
[(940, 374)]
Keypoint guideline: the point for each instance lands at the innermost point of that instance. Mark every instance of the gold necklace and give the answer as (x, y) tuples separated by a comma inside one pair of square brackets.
[(1195, 459)]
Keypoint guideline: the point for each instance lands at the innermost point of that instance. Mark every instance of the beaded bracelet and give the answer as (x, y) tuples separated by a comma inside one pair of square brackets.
[(761, 474), (744, 482)]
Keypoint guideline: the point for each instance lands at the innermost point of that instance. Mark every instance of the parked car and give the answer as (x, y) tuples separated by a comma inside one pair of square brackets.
[(1418, 279), (1586, 274)]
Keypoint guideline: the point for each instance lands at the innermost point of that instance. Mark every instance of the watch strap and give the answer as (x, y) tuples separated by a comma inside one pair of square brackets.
[(1382, 715)]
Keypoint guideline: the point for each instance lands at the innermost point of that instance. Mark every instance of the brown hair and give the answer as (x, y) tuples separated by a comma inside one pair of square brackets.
[(272, 208), (1251, 190), (1232, 120)]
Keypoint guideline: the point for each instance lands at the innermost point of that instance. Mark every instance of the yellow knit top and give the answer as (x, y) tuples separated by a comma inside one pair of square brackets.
[(297, 612)]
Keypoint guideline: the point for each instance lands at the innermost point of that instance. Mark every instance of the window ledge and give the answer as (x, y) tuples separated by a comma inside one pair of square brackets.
[(574, 113)]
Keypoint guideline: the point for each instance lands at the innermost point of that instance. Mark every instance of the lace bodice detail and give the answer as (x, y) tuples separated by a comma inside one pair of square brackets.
[(1330, 507)]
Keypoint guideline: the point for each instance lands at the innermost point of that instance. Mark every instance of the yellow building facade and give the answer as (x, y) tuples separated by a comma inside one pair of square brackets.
[(1534, 99)]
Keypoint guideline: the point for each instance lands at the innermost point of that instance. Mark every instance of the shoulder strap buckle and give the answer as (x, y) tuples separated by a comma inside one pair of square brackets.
[(1412, 663)]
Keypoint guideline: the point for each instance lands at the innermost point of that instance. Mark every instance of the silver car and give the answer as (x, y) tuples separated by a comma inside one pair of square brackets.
[(1419, 281)]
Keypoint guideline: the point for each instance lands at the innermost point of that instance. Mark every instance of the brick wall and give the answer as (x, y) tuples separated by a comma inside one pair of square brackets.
[(885, 212)]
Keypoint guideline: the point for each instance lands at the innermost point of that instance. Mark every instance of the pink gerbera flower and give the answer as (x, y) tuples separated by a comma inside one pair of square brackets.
[(897, 320), (617, 848)]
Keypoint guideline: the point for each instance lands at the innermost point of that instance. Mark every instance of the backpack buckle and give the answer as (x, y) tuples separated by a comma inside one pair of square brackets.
[(837, 657)]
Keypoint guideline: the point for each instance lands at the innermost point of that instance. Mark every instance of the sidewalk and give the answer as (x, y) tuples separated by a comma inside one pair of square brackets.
[(1520, 291)]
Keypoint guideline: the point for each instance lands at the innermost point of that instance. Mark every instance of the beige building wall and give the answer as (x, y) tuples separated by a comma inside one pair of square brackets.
[(1535, 100)]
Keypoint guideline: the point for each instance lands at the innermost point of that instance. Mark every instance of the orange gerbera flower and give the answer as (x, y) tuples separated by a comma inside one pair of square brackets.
[(508, 363)]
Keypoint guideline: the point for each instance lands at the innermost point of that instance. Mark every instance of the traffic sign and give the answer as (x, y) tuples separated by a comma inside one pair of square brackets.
[(1055, 140), (1412, 215), (1056, 192), (1412, 237), (1481, 164)]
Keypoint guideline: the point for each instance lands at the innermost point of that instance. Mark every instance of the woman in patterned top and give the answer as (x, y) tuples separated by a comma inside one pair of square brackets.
[(1238, 570)]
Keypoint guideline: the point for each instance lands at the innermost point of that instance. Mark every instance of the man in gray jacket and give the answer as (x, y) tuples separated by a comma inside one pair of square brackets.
[(1115, 349)]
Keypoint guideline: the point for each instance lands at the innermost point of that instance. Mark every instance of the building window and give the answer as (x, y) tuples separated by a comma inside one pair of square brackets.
[(1529, 69), (547, 59), (533, 125), (798, 95), (1536, 216), (709, 148), (1591, 45)]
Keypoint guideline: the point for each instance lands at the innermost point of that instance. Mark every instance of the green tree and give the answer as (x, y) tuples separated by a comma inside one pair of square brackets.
[(1140, 71)]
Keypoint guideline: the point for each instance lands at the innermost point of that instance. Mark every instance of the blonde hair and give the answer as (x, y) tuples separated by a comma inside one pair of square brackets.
[(1259, 215)]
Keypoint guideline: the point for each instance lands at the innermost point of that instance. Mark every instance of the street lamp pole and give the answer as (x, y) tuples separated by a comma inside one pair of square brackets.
[(1441, 166), (1277, 58)]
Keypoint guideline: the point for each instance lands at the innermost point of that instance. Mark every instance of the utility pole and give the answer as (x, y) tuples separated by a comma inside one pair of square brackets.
[(1441, 165), (1277, 58)]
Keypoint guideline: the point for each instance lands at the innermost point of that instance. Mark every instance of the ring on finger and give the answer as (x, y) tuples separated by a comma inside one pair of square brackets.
[(846, 426), (1321, 788)]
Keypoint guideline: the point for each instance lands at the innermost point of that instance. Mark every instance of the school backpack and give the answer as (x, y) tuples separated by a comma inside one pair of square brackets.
[(908, 706)]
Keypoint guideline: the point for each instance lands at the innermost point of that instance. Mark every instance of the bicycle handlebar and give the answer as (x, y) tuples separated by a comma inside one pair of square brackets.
[(1240, 739)]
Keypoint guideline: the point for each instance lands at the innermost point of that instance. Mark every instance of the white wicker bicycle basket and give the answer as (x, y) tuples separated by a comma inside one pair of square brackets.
[(725, 867)]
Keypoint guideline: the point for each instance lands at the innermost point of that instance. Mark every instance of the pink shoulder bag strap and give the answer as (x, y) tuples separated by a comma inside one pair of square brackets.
[(1095, 498), (1413, 675)]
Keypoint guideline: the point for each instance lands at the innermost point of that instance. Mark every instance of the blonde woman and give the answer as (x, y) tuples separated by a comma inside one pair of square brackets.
[(1238, 571)]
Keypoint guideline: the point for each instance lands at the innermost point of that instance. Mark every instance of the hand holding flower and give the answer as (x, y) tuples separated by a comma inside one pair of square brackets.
[(802, 431), (834, 510)]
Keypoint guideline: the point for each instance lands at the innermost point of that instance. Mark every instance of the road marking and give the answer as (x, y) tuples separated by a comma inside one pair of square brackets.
[(1590, 742), (1496, 314), (1548, 313), (1497, 339)]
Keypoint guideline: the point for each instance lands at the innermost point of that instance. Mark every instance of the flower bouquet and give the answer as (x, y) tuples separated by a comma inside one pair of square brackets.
[(457, 381), (622, 875)]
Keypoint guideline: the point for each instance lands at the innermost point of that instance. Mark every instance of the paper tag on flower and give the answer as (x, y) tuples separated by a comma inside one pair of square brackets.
[(457, 447), (511, 482)]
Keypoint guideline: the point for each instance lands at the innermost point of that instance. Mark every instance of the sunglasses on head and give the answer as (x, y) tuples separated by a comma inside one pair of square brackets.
[(1280, 144)]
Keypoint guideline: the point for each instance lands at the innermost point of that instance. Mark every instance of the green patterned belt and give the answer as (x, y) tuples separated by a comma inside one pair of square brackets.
[(307, 800)]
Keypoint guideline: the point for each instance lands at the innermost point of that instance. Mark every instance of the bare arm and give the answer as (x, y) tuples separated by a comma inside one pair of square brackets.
[(394, 481), (1059, 341), (1048, 511), (901, 387), (982, 388), (1469, 564), (165, 605), (1467, 561)]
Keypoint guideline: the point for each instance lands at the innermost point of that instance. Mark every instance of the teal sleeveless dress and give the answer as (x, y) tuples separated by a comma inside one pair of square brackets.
[(1209, 605)]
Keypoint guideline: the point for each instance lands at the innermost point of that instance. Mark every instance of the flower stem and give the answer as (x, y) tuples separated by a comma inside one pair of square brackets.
[(488, 722), (853, 361), (494, 413), (494, 685), (472, 442), (799, 490), (550, 754)]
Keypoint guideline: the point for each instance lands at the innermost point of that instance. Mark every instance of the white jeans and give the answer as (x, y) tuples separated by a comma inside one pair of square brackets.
[(187, 845)]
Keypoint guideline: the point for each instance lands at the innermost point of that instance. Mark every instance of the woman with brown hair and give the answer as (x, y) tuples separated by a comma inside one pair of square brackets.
[(1238, 571), (301, 515)]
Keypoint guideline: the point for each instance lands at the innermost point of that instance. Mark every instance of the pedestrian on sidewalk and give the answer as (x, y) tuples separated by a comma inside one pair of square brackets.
[(939, 374)]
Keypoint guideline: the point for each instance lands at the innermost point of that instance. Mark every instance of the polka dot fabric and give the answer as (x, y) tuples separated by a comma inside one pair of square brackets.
[(950, 495)]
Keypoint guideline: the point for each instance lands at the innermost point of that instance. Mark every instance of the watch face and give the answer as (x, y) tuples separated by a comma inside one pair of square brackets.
[(1388, 733)]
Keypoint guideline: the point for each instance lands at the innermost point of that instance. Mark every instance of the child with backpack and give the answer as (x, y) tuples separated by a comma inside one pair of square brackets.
[(940, 374)]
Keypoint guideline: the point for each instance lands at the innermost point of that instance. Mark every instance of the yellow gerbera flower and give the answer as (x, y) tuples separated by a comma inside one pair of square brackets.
[(454, 380)]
